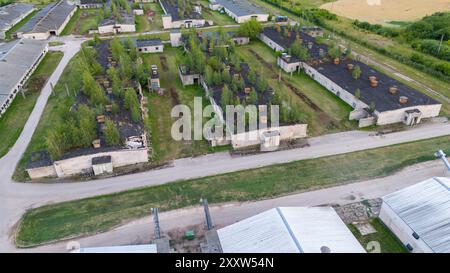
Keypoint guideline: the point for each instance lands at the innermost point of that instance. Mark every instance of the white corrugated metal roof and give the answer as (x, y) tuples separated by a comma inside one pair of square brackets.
[(290, 230), (119, 249), (425, 208)]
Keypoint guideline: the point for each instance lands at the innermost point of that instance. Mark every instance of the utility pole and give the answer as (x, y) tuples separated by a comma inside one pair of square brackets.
[(440, 44), (156, 223), (209, 223), (443, 156)]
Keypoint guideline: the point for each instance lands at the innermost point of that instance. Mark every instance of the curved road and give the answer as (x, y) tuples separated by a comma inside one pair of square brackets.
[(16, 198)]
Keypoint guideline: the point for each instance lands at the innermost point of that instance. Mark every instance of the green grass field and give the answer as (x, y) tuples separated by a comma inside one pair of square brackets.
[(12, 123), (388, 242), (100, 213), (218, 18)]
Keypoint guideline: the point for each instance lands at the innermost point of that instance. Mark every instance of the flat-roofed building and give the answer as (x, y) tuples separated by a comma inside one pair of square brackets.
[(290, 230), (125, 24), (149, 45), (376, 98), (12, 14), (50, 20), (91, 4), (419, 215), (18, 60), (241, 11)]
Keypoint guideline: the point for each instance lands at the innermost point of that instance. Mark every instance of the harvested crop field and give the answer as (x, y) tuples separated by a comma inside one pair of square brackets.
[(383, 11)]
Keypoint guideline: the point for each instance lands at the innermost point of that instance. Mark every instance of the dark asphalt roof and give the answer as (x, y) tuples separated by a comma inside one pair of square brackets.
[(101, 160), (171, 7), (240, 7), (39, 159), (148, 42), (85, 2), (342, 76)]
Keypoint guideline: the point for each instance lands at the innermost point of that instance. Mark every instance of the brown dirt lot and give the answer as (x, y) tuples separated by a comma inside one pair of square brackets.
[(382, 11)]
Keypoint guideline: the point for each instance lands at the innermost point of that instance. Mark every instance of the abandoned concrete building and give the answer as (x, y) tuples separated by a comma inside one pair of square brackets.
[(50, 20), (241, 11), (290, 230), (375, 97), (149, 45), (11, 15), (112, 25), (91, 4), (419, 215), (176, 17), (18, 60)]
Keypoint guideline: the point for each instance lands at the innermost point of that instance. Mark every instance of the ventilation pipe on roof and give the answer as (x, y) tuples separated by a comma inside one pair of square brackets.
[(443, 156)]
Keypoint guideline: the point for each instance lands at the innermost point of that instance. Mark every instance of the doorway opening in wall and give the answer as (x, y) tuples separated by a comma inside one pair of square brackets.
[(53, 32), (196, 81)]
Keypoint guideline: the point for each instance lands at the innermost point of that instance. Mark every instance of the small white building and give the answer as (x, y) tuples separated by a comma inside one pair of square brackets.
[(91, 4), (288, 63), (127, 24), (419, 215), (241, 11), (172, 19), (149, 45), (102, 165), (290, 230)]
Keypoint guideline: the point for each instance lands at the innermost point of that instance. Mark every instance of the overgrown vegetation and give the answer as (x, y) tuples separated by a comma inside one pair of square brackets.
[(100, 213), (13, 121)]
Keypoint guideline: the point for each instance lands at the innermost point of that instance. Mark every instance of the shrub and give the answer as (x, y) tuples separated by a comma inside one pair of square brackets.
[(111, 134)]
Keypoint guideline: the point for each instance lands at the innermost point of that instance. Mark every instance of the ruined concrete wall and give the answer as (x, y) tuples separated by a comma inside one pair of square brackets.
[(80, 164), (254, 137), (270, 43), (395, 116), (47, 171), (365, 122)]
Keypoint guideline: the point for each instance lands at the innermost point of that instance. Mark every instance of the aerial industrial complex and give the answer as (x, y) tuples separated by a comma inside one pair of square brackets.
[(301, 143)]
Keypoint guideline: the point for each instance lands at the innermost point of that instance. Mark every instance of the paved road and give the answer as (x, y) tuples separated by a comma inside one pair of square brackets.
[(141, 231), (15, 198)]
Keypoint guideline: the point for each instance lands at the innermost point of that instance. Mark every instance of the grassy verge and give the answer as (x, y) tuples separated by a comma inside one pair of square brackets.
[(82, 21), (57, 107), (80, 217), (12, 123), (10, 32), (388, 242)]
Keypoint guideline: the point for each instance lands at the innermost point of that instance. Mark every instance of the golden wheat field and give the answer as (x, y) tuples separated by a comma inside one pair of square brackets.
[(383, 11)]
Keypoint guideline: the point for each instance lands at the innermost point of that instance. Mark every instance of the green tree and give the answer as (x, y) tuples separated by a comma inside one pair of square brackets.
[(111, 133), (226, 97), (92, 89), (253, 97), (358, 93), (250, 29), (87, 126), (116, 83), (356, 72), (131, 103)]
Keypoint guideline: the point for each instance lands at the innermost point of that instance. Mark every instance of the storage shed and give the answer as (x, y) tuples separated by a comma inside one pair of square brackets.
[(290, 230), (419, 215)]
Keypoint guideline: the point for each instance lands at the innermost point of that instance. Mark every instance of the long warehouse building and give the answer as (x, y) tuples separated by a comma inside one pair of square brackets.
[(18, 60), (50, 20), (11, 15)]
